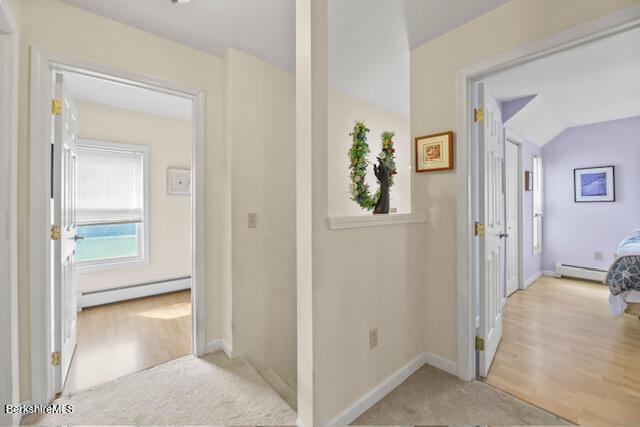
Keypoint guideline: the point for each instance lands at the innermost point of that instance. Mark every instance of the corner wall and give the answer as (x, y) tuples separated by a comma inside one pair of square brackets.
[(574, 232), (433, 109), (261, 134)]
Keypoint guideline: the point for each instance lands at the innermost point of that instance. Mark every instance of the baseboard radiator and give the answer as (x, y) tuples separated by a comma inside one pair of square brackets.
[(137, 290), (579, 272)]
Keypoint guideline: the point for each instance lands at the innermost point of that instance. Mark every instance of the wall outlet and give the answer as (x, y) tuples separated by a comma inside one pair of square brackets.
[(373, 339), (598, 256), (253, 220)]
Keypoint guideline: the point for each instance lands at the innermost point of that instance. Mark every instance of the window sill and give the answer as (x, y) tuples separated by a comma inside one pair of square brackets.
[(96, 267), (360, 221)]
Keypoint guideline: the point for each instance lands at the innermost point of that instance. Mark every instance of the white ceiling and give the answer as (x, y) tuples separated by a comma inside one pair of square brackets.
[(120, 95), (589, 84), (369, 42)]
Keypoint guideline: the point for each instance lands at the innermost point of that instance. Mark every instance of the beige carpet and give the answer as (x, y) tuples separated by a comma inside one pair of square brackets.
[(186, 391), (433, 397)]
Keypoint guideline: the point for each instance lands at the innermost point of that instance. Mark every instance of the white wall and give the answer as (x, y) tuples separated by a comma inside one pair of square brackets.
[(433, 108), (260, 108), (83, 34), (169, 144), (344, 111)]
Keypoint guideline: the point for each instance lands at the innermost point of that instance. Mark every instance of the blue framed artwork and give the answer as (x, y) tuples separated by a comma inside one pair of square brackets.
[(594, 184)]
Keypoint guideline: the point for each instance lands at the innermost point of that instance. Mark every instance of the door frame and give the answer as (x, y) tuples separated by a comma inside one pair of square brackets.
[(43, 63), (9, 324), (510, 137), (611, 24)]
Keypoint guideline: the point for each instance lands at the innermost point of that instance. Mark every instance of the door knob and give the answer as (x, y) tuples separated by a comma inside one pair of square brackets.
[(503, 235), (76, 238)]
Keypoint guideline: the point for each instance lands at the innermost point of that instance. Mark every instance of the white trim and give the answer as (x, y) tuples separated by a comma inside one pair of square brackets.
[(371, 397), (441, 363), (9, 322), (622, 20), (514, 139), (347, 222), (108, 296), (548, 273), (532, 279), (217, 345), (43, 62)]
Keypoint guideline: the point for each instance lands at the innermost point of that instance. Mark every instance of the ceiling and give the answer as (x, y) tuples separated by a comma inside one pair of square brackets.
[(589, 84), (369, 40), (120, 95)]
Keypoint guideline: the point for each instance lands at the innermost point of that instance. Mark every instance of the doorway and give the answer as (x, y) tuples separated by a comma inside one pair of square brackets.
[(93, 195)]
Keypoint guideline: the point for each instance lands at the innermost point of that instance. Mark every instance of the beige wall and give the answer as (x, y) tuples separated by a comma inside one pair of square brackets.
[(55, 25), (169, 144), (433, 109), (260, 110), (344, 110)]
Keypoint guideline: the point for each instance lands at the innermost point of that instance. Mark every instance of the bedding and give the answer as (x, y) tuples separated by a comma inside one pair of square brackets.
[(623, 277)]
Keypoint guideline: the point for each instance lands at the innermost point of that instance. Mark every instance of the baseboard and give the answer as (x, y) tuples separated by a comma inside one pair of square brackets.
[(378, 392), (550, 273), (442, 363), (107, 296), (217, 345), (532, 279)]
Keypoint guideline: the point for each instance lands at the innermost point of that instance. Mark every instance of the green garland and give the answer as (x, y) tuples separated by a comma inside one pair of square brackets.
[(358, 165)]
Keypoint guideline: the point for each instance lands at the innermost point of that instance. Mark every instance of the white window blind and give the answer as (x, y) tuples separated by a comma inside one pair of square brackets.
[(110, 186)]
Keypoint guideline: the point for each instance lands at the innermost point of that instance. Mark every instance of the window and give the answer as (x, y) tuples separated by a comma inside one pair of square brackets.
[(538, 205), (111, 205)]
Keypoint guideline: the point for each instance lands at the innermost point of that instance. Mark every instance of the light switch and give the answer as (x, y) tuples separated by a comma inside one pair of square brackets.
[(253, 220)]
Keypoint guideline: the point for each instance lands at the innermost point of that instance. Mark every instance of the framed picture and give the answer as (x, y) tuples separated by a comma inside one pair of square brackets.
[(179, 181), (434, 152), (594, 184), (528, 181)]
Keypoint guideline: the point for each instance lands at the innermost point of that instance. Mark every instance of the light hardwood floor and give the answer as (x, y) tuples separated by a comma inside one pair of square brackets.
[(562, 351), (118, 339)]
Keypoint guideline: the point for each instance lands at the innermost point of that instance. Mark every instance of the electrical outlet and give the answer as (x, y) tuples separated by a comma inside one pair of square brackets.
[(598, 256), (253, 220), (373, 339)]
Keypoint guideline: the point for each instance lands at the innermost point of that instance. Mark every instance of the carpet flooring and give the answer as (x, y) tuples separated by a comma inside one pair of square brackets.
[(433, 397), (188, 391)]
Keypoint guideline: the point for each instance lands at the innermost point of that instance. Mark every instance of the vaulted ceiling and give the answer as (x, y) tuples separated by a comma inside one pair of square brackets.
[(369, 40), (588, 84)]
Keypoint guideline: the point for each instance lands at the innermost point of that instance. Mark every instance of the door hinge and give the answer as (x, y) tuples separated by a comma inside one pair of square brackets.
[(479, 343), (55, 232), (478, 115), (55, 358), (479, 229), (56, 106)]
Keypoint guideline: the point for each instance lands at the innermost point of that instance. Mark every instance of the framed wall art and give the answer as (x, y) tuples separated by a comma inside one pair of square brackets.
[(434, 152), (594, 184)]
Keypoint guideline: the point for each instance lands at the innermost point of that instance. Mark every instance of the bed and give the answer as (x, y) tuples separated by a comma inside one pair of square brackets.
[(623, 277)]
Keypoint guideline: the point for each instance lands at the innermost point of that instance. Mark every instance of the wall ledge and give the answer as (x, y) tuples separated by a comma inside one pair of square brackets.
[(360, 221)]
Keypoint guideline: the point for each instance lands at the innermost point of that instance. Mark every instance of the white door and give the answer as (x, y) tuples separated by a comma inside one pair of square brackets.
[(64, 188), (491, 212), (512, 173)]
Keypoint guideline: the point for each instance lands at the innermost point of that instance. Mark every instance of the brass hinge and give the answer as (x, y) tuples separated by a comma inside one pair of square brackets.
[(56, 106), (478, 115), (55, 358), (479, 343), (479, 229), (55, 232)]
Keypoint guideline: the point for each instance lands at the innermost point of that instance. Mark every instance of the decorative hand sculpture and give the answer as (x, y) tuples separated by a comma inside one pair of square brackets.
[(383, 174)]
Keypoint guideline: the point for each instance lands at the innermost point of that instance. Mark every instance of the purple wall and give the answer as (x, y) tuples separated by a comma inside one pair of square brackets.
[(510, 108), (573, 232)]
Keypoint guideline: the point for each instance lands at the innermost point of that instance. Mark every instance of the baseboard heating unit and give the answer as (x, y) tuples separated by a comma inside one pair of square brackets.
[(138, 290), (578, 272)]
